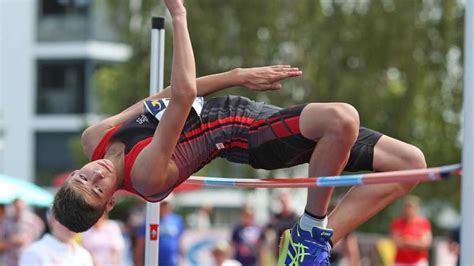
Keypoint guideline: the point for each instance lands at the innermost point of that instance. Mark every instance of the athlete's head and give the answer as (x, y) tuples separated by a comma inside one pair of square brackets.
[(86, 195)]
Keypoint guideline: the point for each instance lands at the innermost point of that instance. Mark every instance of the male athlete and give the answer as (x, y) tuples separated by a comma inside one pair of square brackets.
[(156, 144)]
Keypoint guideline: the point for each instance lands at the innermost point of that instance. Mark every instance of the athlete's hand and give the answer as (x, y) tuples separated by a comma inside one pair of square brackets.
[(176, 7), (267, 77)]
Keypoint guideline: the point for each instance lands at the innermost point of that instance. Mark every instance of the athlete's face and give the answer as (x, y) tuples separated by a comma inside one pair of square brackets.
[(96, 181)]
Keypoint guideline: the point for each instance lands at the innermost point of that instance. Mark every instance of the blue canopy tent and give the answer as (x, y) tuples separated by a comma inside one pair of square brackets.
[(11, 188)]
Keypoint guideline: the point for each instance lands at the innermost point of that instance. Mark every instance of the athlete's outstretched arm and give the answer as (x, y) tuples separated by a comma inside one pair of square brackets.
[(151, 166), (255, 78)]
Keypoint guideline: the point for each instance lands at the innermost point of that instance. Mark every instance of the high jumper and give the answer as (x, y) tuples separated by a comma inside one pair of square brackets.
[(156, 144)]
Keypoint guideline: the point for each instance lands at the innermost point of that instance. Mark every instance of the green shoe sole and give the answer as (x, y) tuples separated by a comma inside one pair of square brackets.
[(284, 243)]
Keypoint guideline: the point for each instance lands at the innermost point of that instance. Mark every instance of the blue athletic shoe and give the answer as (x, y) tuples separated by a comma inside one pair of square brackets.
[(302, 248)]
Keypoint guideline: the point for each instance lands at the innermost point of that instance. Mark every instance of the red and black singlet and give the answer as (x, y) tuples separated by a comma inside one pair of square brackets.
[(235, 128)]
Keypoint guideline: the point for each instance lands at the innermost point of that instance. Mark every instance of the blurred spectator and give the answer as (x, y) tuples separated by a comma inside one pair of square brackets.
[(171, 231), (200, 219), (346, 252), (284, 219), (105, 242), (4, 243), (56, 248), (246, 238), (135, 219), (18, 231), (411, 234), (221, 254), (3, 216), (454, 243)]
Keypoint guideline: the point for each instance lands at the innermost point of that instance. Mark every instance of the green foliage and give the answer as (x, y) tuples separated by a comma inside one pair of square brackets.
[(398, 62)]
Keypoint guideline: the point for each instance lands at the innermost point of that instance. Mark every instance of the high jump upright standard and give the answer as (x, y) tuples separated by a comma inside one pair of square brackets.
[(157, 59), (467, 203)]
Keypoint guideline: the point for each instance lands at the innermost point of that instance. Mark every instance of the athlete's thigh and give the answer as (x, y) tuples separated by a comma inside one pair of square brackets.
[(275, 140), (362, 152)]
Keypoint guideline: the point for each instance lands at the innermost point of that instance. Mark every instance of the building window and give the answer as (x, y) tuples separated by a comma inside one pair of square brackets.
[(76, 20), (63, 7), (55, 153), (61, 87), (63, 20)]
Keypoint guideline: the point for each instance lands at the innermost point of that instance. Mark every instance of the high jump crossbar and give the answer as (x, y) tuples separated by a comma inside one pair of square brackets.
[(157, 59), (416, 175)]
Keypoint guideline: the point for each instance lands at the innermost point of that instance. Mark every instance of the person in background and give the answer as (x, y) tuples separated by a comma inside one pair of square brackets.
[(105, 242), (3, 217), (56, 248), (20, 229), (200, 219), (171, 231), (346, 251), (4, 243), (455, 243), (285, 219), (411, 234), (135, 220), (246, 238), (221, 254)]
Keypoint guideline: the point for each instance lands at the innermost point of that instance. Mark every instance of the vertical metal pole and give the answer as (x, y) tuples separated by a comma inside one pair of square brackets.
[(467, 206), (156, 85)]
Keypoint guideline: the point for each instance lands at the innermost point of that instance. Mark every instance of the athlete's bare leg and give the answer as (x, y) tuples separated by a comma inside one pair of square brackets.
[(335, 127), (363, 202)]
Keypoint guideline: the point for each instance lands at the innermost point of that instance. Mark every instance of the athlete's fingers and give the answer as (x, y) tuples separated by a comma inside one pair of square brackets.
[(294, 72), (285, 75), (280, 66), (284, 68)]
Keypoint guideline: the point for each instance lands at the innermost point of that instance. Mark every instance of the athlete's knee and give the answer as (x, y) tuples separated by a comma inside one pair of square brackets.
[(412, 158), (418, 158), (345, 121), (338, 121)]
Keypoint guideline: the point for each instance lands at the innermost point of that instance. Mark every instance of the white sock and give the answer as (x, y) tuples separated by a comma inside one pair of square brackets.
[(308, 222)]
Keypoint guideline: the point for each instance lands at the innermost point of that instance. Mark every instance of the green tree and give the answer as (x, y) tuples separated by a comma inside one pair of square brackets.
[(398, 62)]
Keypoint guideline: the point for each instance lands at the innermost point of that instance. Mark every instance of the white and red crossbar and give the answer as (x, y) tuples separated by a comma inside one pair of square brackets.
[(417, 175)]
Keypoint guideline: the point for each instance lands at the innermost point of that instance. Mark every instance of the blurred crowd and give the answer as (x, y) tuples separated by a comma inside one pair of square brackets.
[(29, 238)]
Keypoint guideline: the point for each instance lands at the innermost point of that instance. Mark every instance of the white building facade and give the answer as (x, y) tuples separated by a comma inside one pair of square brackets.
[(49, 52)]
